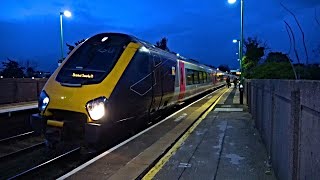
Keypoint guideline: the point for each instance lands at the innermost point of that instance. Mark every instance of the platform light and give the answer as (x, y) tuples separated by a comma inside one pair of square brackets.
[(232, 1), (241, 40), (67, 13), (235, 41)]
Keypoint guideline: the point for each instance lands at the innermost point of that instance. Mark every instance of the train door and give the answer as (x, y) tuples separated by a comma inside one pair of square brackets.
[(182, 80), (157, 83), (214, 77)]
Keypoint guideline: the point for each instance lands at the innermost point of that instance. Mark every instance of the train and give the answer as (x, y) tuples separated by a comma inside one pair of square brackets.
[(113, 78)]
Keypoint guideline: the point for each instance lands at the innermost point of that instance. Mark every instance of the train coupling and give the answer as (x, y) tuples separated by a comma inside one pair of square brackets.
[(38, 124)]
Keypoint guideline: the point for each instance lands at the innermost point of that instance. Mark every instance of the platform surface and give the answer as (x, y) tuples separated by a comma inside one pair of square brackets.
[(6, 108), (225, 145)]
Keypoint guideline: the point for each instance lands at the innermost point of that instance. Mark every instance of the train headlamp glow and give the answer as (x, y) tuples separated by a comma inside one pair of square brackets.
[(97, 108), (144, 49), (43, 101)]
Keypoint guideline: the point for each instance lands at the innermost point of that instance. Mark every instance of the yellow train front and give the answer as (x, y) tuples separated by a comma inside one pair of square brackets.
[(114, 78)]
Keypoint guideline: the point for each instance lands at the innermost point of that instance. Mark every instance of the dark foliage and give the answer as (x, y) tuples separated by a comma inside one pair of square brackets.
[(71, 47), (11, 69), (254, 52), (224, 68), (163, 44), (277, 57)]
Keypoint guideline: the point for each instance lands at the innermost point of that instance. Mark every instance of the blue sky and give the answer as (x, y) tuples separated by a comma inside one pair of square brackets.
[(29, 29)]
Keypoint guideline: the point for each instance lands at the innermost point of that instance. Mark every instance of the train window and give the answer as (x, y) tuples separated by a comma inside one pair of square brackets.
[(142, 60), (195, 77), (176, 79), (200, 77), (94, 57), (209, 77), (189, 77), (156, 60), (205, 77)]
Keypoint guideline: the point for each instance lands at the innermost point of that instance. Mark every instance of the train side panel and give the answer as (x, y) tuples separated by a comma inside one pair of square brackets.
[(132, 96)]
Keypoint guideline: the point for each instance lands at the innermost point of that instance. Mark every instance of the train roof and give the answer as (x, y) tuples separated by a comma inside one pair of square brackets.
[(154, 48)]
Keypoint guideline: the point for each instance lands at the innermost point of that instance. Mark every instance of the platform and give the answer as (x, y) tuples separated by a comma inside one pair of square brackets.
[(8, 108), (221, 144), (225, 145)]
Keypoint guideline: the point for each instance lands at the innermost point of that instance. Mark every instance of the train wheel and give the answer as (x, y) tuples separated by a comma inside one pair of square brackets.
[(51, 144)]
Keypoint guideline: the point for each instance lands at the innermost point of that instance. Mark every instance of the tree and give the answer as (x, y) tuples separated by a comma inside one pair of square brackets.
[(30, 72), (162, 44), (273, 70), (302, 32), (213, 67), (224, 68), (277, 57), (310, 71), (11, 69), (71, 47), (30, 67), (253, 54)]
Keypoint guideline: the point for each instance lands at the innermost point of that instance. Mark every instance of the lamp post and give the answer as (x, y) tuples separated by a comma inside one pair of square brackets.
[(239, 49), (241, 32), (67, 14)]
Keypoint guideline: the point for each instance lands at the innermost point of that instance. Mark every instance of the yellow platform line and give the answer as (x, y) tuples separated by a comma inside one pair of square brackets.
[(177, 145)]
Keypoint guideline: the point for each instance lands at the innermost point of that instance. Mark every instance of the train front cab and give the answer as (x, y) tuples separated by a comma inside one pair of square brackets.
[(137, 83), (76, 102)]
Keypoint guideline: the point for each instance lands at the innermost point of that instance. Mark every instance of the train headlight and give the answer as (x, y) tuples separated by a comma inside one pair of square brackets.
[(97, 108), (43, 101)]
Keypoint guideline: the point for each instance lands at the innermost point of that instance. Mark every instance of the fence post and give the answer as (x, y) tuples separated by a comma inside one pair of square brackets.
[(15, 99), (256, 104), (249, 97), (295, 119), (261, 115), (273, 109), (38, 93)]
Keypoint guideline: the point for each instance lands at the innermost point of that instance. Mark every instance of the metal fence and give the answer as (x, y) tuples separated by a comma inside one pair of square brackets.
[(14, 90), (287, 114)]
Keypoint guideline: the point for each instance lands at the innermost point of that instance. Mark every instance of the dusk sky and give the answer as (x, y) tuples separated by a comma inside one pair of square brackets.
[(201, 30)]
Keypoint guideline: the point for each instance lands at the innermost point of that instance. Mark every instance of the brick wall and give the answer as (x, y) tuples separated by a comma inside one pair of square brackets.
[(14, 90)]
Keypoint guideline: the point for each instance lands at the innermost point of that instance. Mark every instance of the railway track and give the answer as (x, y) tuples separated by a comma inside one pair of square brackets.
[(19, 144), (40, 163), (16, 137), (25, 162), (44, 164)]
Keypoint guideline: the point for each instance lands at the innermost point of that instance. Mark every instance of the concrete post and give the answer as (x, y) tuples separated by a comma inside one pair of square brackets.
[(15, 98), (273, 110), (262, 105), (256, 102), (295, 119)]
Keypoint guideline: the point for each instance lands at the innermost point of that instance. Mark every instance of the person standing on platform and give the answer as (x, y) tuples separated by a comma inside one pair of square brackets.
[(235, 81), (228, 82)]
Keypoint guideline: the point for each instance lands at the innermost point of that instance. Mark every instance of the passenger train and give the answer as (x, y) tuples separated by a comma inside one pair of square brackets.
[(115, 78)]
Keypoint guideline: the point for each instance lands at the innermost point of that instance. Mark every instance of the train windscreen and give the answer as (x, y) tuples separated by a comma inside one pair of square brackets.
[(93, 60)]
